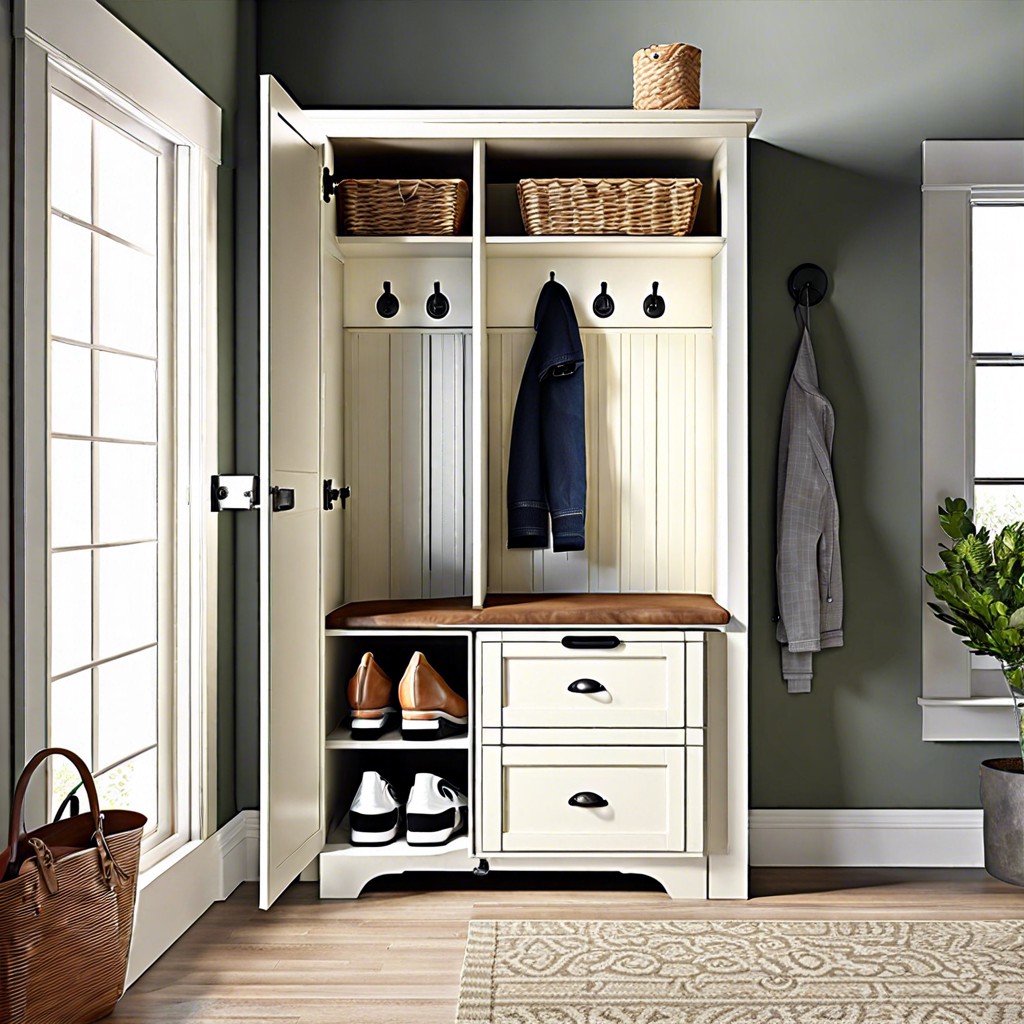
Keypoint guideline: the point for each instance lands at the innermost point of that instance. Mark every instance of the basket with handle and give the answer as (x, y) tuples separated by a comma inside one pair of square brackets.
[(67, 899), (402, 206), (666, 76)]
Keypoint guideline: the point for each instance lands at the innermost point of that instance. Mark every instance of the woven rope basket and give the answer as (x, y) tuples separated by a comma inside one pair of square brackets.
[(666, 77), (608, 206), (402, 206)]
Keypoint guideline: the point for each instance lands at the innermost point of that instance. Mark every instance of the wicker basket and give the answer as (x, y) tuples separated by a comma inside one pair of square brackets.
[(402, 206), (608, 206), (666, 77)]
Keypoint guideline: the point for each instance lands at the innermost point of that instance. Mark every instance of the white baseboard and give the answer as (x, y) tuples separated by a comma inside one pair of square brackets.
[(179, 890), (866, 838)]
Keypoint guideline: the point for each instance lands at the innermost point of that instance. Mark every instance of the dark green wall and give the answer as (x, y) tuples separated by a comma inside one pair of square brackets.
[(849, 92), (855, 740), (201, 39)]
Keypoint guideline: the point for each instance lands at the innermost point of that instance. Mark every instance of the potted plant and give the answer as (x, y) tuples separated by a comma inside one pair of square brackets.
[(980, 592)]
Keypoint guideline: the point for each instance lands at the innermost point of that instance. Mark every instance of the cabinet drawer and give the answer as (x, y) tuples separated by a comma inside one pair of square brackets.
[(588, 800), (639, 684)]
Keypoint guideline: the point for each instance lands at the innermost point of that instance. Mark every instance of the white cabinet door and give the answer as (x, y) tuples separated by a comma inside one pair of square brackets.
[(291, 621)]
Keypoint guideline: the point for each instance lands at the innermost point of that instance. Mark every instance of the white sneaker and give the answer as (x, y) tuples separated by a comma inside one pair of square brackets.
[(373, 816), (436, 811)]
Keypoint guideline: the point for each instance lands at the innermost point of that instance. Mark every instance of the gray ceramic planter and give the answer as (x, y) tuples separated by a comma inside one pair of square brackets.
[(1002, 799)]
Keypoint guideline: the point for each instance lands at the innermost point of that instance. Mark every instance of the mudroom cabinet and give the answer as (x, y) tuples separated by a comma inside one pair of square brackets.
[(607, 688)]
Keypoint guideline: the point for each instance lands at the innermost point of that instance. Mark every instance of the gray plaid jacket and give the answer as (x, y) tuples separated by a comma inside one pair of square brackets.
[(808, 572)]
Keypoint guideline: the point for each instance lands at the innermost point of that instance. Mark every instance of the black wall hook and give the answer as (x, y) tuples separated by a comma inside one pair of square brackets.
[(387, 304), (654, 304), (437, 303), (604, 305), (552, 276), (807, 284)]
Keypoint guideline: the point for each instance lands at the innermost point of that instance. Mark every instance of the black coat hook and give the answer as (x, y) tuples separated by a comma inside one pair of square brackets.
[(654, 304), (437, 303), (387, 303), (807, 284), (552, 276), (604, 305)]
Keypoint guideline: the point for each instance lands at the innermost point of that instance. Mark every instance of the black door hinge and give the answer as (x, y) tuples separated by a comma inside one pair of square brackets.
[(282, 499), (333, 494), (330, 182)]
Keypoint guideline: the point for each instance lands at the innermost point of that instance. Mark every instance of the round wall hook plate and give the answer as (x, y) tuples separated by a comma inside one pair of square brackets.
[(387, 303), (604, 304), (808, 284), (654, 304), (437, 305)]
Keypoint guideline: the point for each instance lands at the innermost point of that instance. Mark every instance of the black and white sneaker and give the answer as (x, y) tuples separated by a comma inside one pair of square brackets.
[(373, 816), (436, 811)]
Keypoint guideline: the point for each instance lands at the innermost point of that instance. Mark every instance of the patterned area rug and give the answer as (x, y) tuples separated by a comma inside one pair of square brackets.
[(743, 972)]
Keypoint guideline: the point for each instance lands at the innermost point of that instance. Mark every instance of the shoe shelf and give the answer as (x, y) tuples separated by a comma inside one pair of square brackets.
[(338, 844), (341, 739)]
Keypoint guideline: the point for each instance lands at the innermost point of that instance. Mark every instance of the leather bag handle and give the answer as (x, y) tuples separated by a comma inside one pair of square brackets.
[(22, 789)]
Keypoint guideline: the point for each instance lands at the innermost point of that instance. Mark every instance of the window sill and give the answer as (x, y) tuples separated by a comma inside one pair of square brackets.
[(156, 862), (967, 719)]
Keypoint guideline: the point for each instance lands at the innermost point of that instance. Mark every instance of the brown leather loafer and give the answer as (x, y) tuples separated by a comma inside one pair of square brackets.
[(430, 708), (371, 698)]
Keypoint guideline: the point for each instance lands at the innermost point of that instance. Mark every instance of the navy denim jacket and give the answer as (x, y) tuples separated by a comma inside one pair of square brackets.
[(547, 463)]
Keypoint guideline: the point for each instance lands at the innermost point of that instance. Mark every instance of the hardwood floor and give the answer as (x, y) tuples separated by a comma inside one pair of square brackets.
[(393, 956)]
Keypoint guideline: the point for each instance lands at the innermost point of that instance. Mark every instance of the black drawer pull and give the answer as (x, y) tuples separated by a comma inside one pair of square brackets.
[(591, 643), (586, 686), (586, 799)]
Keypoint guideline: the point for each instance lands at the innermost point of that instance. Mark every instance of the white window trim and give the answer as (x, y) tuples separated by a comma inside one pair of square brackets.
[(953, 173), (84, 41)]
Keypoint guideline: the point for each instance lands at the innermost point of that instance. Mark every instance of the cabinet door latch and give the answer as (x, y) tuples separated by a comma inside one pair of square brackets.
[(234, 493), (333, 494), (282, 498)]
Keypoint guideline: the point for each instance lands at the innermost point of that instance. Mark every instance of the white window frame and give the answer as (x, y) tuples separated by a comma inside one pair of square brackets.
[(81, 40), (962, 697)]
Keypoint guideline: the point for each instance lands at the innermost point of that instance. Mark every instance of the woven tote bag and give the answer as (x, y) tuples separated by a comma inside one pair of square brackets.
[(67, 898)]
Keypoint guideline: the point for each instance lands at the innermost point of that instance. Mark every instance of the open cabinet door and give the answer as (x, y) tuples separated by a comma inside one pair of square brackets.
[(291, 621)]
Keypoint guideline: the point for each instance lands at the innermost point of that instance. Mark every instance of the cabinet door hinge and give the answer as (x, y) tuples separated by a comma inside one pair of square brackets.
[(330, 182)]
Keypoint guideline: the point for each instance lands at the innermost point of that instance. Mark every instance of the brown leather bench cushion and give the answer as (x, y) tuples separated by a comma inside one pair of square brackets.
[(533, 610)]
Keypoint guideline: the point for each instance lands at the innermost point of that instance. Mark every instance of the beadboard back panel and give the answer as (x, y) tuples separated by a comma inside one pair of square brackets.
[(406, 413), (650, 466)]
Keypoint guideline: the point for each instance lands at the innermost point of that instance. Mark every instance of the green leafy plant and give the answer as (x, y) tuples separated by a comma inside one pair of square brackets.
[(980, 593)]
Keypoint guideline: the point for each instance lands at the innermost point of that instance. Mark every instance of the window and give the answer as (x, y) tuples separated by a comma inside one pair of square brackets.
[(972, 388), (114, 377), (997, 356), (113, 497)]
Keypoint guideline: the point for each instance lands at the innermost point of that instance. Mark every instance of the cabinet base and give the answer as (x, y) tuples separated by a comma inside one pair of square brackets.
[(344, 876)]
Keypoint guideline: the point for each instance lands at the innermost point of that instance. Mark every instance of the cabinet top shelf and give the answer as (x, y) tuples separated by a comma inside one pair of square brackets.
[(562, 123)]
